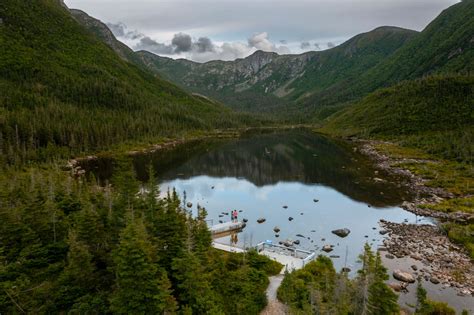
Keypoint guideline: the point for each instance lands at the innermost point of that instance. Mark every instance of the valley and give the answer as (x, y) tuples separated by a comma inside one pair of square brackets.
[(115, 162)]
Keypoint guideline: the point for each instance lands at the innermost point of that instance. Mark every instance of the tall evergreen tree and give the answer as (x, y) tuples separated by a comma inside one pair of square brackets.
[(140, 287)]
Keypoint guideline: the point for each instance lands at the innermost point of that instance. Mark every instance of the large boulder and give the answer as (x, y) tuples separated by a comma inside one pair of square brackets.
[(342, 232), (403, 276)]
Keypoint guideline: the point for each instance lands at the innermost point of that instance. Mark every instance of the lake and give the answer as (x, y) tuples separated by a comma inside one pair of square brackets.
[(304, 184)]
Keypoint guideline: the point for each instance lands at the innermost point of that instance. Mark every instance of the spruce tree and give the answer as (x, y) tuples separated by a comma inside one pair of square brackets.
[(140, 287)]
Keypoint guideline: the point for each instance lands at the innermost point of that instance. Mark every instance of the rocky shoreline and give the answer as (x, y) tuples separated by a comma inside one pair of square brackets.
[(416, 184), (442, 262)]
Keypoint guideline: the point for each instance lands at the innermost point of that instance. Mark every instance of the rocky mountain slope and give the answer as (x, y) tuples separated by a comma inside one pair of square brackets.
[(314, 85), (265, 79)]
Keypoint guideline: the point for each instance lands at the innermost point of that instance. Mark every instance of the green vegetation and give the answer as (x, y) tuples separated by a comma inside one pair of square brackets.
[(318, 289), (274, 87), (429, 307), (70, 246), (462, 234), (65, 92), (434, 114)]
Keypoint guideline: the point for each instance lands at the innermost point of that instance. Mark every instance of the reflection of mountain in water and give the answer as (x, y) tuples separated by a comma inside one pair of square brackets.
[(271, 158)]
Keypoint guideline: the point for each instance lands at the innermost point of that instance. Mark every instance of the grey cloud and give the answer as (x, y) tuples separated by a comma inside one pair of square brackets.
[(182, 42), (204, 44), (134, 35), (146, 43), (261, 41), (331, 45), (305, 45), (118, 29)]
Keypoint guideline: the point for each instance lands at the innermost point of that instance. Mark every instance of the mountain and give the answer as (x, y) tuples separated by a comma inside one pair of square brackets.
[(314, 85), (60, 86), (266, 80), (445, 46), (436, 112)]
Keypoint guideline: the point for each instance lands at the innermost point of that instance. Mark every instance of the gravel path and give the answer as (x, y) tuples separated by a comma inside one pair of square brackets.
[(274, 306)]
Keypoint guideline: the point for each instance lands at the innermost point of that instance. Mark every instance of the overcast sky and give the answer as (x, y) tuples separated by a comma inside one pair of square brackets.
[(204, 30)]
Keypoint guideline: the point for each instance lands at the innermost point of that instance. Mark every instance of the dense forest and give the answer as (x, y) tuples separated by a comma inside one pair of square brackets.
[(64, 90), (69, 245), (319, 289)]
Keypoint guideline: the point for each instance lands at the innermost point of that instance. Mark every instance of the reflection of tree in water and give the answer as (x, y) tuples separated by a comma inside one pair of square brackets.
[(296, 156), (270, 158)]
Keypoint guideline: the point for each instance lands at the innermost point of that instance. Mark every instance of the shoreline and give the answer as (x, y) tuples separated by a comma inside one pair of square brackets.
[(444, 263)]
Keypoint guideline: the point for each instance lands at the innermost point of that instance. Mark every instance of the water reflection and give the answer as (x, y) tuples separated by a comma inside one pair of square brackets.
[(311, 224), (280, 157)]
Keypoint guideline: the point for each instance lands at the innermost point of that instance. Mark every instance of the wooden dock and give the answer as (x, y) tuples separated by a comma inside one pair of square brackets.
[(290, 258), (224, 229)]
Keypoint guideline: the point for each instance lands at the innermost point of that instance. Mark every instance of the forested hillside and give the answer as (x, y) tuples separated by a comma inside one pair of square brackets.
[(266, 81), (61, 87), (314, 85), (435, 113), (445, 46)]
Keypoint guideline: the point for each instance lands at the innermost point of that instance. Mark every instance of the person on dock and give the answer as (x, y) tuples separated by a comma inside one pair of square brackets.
[(234, 216)]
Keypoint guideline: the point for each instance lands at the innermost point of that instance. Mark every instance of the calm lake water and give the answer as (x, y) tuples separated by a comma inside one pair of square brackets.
[(277, 176)]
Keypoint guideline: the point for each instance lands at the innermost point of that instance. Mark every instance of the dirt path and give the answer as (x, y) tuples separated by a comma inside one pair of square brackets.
[(274, 306)]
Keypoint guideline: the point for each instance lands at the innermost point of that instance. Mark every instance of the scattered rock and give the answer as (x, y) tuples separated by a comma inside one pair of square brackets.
[(397, 286), (245, 220), (346, 269), (315, 200), (403, 276), (389, 256), (290, 219), (300, 235), (327, 248), (296, 242), (434, 280), (285, 207), (342, 232), (276, 229), (261, 220), (414, 267), (383, 232), (189, 204)]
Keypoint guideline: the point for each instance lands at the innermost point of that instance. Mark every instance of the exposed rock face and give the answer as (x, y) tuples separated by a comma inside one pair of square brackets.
[(342, 232), (403, 276)]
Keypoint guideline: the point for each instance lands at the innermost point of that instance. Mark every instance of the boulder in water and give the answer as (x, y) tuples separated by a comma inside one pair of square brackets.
[(403, 276), (261, 220), (290, 219), (342, 232), (327, 248), (276, 229), (189, 204)]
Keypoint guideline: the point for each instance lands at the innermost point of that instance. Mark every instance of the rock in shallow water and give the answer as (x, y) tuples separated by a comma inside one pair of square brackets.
[(342, 232), (327, 248), (403, 276)]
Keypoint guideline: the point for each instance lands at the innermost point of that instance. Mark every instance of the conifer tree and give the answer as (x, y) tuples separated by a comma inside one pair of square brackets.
[(140, 287)]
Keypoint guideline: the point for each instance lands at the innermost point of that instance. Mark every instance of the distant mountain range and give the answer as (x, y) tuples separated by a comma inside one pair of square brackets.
[(314, 85)]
